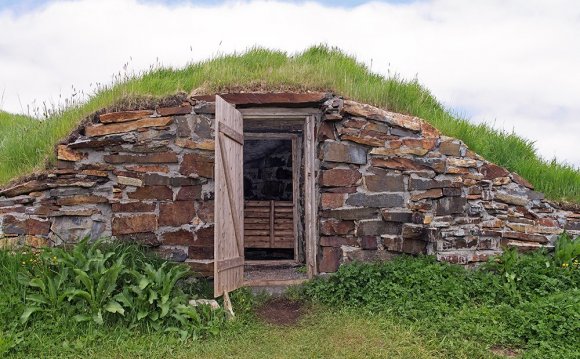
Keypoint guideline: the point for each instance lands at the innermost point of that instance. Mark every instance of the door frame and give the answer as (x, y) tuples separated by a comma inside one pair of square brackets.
[(308, 117)]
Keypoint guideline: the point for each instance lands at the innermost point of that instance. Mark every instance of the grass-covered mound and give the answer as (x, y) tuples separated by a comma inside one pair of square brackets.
[(517, 303), (25, 148)]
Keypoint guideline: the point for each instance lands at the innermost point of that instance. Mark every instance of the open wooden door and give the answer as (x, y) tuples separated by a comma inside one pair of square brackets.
[(229, 199)]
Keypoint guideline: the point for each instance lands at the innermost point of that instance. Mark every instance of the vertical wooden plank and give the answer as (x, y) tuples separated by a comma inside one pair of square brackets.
[(272, 224), (310, 198), (229, 200), (295, 192)]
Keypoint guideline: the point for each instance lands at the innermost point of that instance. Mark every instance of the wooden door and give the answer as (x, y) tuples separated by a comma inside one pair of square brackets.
[(229, 199)]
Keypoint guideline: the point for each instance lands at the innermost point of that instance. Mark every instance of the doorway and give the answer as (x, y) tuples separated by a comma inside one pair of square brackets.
[(281, 225), (272, 201)]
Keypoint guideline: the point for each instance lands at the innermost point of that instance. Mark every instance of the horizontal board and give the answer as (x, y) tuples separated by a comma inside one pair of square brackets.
[(265, 226), (283, 245), (257, 220), (283, 226), (257, 204), (283, 233), (283, 204), (256, 232), (283, 221), (259, 209), (284, 210), (257, 214)]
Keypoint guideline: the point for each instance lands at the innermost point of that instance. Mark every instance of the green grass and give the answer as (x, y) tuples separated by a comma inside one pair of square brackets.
[(406, 308), (528, 304), (318, 68), (321, 334)]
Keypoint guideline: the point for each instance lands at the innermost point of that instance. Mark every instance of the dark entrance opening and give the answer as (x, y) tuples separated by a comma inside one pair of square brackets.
[(269, 227)]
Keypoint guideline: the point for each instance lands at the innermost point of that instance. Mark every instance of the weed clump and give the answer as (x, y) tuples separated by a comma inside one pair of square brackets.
[(528, 301), (100, 284)]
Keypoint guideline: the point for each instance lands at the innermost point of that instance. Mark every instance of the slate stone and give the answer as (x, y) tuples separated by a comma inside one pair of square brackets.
[(133, 207), (413, 231), (187, 193), (350, 213), (196, 164), (336, 227), (204, 237), (65, 192), (397, 216), (332, 200), (176, 213), (397, 131), (134, 224), (368, 242), (124, 116), (162, 157), (377, 228), (383, 200), (491, 171), (450, 148), (342, 152), (420, 184), (338, 241), (572, 225), (180, 237), (450, 205), (382, 181), (452, 192), (205, 211), (152, 192), (330, 260), (200, 252), (175, 110), (339, 177)]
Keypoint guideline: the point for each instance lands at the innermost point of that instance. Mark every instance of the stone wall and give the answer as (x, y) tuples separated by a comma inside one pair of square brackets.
[(389, 184), (144, 175), (392, 183)]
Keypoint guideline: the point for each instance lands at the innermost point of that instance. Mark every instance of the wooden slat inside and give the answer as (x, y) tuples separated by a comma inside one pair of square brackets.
[(257, 220), (269, 224), (262, 226)]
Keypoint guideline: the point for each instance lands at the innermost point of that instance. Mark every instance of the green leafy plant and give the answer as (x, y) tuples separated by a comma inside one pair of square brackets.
[(48, 291), (152, 296), (97, 285), (567, 251), (93, 281)]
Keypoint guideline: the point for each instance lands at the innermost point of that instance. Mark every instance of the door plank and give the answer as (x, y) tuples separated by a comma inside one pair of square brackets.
[(229, 201)]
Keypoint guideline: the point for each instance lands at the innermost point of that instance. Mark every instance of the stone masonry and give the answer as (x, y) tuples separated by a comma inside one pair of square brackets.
[(389, 183)]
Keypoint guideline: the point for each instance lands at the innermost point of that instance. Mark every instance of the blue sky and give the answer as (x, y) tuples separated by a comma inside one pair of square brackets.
[(511, 63), (27, 5)]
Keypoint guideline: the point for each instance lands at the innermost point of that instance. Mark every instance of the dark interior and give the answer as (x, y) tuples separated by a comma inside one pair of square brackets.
[(268, 177), (268, 170)]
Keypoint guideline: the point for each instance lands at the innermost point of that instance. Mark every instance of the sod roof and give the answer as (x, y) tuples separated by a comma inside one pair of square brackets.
[(26, 144)]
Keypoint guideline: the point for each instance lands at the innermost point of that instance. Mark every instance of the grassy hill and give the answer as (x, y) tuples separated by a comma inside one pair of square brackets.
[(25, 148)]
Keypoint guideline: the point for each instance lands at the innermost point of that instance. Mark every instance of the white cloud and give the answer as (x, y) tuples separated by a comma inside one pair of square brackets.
[(512, 62)]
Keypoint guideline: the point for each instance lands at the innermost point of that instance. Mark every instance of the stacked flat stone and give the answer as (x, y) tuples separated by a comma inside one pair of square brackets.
[(389, 183)]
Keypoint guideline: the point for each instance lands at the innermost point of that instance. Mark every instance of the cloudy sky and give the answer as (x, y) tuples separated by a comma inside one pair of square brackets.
[(514, 64)]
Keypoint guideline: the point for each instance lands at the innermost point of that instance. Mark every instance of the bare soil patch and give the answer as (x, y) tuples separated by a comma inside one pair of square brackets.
[(281, 311), (505, 352)]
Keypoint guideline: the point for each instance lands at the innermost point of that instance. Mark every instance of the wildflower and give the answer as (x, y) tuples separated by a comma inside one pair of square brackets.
[(565, 265)]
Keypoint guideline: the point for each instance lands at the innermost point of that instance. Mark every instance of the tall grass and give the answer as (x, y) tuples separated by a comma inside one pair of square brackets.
[(25, 148)]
